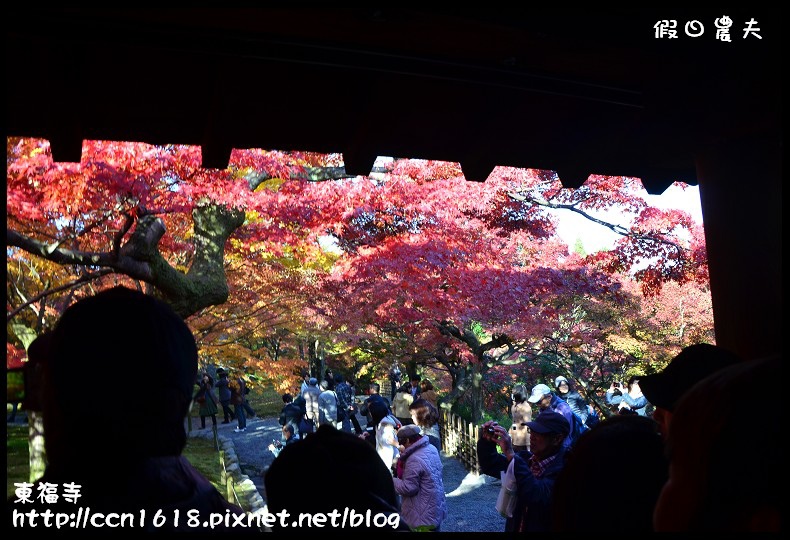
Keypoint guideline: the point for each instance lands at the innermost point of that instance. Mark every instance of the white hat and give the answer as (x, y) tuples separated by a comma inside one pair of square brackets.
[(538, 391), (558, 380)]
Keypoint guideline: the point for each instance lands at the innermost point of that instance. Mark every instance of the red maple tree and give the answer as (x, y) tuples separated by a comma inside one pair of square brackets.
[(426, 267)]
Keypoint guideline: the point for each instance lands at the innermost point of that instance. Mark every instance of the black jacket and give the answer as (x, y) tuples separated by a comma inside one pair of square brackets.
[(291, 414)]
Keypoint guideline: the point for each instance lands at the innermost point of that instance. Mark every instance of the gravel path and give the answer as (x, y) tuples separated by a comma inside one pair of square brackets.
[(470, 498)]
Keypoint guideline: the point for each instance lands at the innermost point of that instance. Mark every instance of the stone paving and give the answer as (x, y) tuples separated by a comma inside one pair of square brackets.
[(470, 498)]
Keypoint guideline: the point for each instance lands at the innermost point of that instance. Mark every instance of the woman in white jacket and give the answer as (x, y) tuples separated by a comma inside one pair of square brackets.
[(384, 434), (387, 441)]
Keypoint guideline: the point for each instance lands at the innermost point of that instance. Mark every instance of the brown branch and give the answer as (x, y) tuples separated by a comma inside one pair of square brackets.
[(617, 229), (116, 241), (56, 254), (76, 283)]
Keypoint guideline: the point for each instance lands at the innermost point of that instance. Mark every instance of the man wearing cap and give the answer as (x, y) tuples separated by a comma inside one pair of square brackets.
[(545, 399), (694, 363), (419, 482), (535, 469), (712, 487)]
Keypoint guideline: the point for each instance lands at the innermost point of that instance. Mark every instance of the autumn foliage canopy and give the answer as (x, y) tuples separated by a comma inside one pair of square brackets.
[(281, 251)]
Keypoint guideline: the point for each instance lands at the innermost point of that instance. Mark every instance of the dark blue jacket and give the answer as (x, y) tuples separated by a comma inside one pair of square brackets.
[(577, 403), (533, 509), (222, 389), (561, 406), (292, 414), (638, 405)]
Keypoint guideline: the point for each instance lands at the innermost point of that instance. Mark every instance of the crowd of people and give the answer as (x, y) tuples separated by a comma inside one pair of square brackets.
[(667, 455), (406, 450), (140, 469), (667, 458), (230, 395)]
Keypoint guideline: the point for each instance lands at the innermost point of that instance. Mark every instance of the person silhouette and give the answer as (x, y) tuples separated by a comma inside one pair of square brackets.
[(360, 484), (692, 364), (711, 487), (623, 453), (123, 458)]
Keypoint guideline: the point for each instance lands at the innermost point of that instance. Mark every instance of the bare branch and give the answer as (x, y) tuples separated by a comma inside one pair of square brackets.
[(76, 283), (617, 229)]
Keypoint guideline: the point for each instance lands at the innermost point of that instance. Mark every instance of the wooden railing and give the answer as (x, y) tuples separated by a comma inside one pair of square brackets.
[(226, 479), (230, 483), (459, 439)]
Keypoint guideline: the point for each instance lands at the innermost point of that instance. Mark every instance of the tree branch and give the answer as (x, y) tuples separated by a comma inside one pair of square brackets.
[(76, 283), (56, 254), (617, 229), (205, 284)]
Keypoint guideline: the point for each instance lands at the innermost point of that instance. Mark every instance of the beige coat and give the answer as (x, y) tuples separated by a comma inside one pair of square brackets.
[(522, 412), (400, 404), (430, 396)]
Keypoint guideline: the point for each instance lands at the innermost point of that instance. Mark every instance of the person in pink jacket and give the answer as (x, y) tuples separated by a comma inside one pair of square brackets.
[(418, 481)]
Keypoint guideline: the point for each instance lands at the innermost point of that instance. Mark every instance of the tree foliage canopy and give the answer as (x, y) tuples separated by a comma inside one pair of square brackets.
[(414, 263)]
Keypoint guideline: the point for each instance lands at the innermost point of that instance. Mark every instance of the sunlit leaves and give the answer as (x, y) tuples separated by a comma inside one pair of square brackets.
[(415, 252), (14, 356)]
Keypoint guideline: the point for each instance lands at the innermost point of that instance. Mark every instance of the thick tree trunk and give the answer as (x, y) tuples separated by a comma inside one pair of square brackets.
[(35, 442), (476, 393), (467, 383), (204, 285)]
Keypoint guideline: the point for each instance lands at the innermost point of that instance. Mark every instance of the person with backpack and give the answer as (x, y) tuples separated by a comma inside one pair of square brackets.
[(291, 413), (545, 399), (374, 394), (310, 420), (385, 433)]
